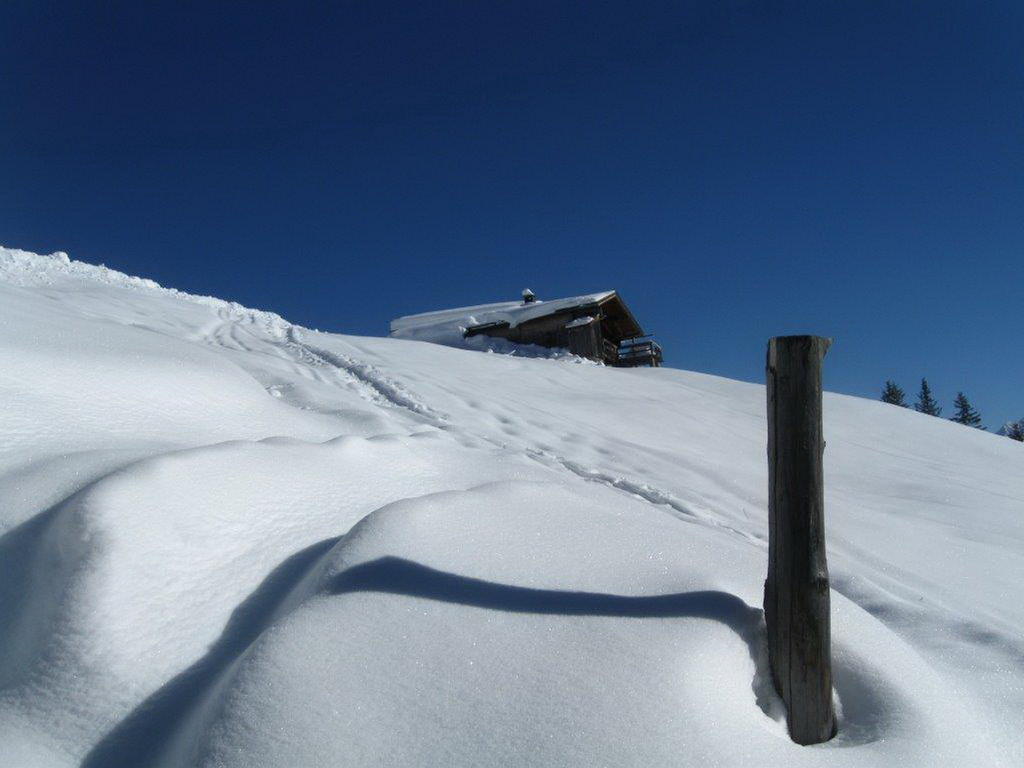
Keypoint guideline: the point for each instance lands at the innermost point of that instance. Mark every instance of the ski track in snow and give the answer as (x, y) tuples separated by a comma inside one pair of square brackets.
[(377, 388), (651, 495), (381, 390)]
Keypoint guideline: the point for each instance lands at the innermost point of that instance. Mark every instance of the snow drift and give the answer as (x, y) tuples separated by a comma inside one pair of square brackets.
[(228, 540)]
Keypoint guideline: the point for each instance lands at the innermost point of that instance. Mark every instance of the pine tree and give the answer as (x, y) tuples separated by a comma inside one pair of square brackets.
[(965, 414), (1015, 430), (925, 402), (894, 394)]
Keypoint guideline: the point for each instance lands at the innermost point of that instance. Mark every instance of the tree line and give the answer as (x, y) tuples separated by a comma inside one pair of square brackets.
[(965, 414)]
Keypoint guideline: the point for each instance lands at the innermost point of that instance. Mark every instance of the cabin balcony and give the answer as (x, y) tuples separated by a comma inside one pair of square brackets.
[(636, 352)]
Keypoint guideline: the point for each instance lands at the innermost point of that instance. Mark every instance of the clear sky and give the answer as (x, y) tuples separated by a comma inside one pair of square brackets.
[(736, 170)]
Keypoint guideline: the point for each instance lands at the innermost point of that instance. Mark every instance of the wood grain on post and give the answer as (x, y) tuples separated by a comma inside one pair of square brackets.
[(796, 595)]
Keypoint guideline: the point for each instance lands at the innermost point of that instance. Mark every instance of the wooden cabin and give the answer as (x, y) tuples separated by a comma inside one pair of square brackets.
[(597, 326)]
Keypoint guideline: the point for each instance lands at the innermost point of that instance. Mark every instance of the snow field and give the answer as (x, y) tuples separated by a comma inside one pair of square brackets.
[(226, 540)]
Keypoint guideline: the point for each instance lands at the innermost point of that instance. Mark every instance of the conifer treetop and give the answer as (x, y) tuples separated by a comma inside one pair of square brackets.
[(925, 402)]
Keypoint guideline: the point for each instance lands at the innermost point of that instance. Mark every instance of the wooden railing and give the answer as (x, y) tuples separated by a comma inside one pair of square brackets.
[(636, 352)]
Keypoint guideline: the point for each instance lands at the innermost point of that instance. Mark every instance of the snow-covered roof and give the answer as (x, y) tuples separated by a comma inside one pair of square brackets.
[(445, 322)]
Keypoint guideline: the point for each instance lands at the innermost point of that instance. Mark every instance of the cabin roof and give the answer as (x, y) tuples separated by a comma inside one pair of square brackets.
[(511, 312)]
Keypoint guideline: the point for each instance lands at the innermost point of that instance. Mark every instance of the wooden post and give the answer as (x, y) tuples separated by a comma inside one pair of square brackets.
[(796, 597)]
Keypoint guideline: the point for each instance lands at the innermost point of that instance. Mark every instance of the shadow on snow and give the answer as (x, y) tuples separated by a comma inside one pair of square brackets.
[(156, 731)]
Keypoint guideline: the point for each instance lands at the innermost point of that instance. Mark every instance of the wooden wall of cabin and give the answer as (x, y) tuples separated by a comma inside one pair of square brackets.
[(550, 331), (585, 340), (547, 331)]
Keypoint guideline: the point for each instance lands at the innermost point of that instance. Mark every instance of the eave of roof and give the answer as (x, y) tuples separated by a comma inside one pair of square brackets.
[(512, 312), (626, 310)]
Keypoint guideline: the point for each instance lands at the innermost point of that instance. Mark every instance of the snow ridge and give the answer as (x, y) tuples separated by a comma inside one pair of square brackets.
[(27, 269)]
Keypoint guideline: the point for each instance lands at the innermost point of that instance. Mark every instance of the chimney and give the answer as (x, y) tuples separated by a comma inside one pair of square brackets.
[(529, 296)]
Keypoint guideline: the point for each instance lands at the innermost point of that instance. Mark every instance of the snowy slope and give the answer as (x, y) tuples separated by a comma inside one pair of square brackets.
[(227, 540)]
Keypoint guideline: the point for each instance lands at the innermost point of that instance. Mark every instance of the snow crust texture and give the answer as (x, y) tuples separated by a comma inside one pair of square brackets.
[(229, 541)]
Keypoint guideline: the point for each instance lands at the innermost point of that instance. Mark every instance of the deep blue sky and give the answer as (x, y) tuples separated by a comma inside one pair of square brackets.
[(735, 170)]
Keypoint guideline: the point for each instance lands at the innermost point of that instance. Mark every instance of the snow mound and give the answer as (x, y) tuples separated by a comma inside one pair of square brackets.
[(227, 540)]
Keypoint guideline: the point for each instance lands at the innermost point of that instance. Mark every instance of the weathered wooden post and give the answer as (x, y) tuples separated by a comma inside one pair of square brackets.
[(796, 598)]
